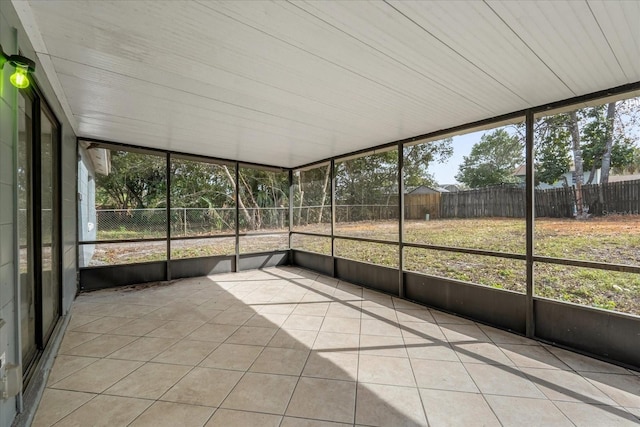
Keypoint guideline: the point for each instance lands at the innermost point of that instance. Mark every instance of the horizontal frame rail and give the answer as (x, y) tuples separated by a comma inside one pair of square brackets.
[(309, 233), (469, 251)]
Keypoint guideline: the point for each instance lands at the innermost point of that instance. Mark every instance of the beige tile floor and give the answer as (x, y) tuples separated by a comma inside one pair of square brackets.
[(288, 347)]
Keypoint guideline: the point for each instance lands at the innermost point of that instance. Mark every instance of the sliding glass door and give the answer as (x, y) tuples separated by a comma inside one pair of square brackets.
[(49, 245), (26, 229), (38, 225)]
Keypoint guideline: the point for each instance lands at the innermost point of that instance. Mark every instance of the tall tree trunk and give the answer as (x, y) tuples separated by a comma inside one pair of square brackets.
[(256, 219), (241, 205), (577, 163), (327, 175), (135, 195), (301, 198), (592, 174), (606, 157)]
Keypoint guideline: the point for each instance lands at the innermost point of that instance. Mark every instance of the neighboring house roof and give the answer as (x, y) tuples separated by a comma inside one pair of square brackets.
[(101, 159), (423, 189), (520, 171), (452, 188), (621, 178), (408, 190)]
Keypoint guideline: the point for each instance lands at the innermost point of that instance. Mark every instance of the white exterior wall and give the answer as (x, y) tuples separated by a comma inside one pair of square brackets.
[(9, 343), (14, 39), (87, 220)]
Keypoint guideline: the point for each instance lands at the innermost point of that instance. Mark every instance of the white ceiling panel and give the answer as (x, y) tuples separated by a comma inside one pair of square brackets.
[(399, 37), (567, 38), (289, 83), (324, 37), (135, 99), (620, 23), (480, 37)]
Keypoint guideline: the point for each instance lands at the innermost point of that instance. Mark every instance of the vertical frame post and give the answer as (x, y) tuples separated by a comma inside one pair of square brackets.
[(168, 196), (530, 217), (333, 216), (36, 200), (291, 194), (56, 246), (77, 214), (400, 220), (17, 316), (237, 213)]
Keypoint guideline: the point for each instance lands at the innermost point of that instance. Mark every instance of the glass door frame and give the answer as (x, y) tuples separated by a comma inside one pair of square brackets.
[(56, 217), (39, 107)]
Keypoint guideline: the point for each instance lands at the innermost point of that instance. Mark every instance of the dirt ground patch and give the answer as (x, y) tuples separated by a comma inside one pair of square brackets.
[(612, 224)]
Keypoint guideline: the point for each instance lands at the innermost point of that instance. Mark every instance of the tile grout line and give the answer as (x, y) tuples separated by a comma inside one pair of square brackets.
[(65, 416), (245, 371), (484, 398), (424, 410), (215, 409), (553, 402), (303, 367), (143, 364), (355, 403)]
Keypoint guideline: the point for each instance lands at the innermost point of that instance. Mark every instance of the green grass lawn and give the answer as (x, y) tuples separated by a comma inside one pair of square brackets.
[(611, 239)]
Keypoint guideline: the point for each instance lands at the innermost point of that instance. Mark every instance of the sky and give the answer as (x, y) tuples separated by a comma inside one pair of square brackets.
[(444, 173)]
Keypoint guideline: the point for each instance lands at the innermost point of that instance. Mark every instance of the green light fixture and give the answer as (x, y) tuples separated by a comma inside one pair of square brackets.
[(23, 65), (20, 78)]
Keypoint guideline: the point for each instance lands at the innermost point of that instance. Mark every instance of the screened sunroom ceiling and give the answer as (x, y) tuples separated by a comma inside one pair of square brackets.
[(288, 83)]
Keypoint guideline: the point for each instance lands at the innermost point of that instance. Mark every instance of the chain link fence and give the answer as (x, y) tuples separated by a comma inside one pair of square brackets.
[(114, 224), (310, 215)]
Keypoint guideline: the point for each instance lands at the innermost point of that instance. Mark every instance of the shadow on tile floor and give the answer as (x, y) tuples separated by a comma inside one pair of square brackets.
[(288, 347)]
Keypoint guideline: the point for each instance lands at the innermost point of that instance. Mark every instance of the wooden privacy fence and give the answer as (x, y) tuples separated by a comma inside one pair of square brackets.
[(484, 202), (621, 198), (618, 198), (555, 202), (416, 206)]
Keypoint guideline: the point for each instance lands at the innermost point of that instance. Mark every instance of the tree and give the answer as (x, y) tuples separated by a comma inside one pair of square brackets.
[(312, 189), (261, 191), (199, 185), (373, 179), (553, 158), (578, 174), (418, 158), (136, 181), (598, 137), (633, 166), (367, 180), (202, 186), (604, 148), (492, 160)]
